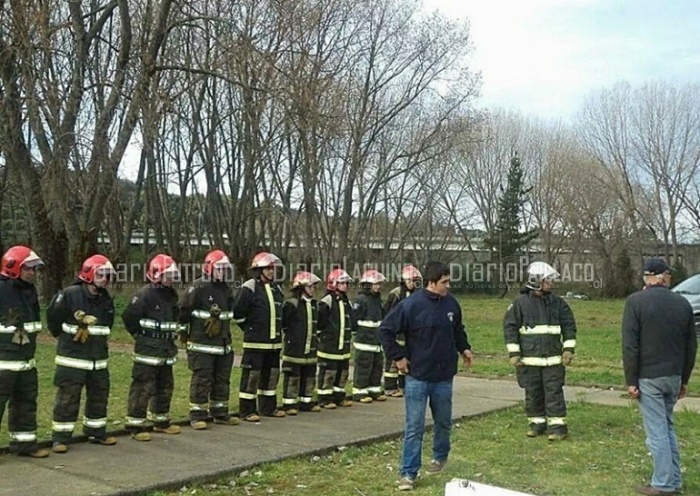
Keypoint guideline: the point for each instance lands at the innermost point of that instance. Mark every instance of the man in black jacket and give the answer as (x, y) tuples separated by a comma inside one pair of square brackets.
[(20, 322), (658, 353), (80, 317), (431, 321), (540, 335)]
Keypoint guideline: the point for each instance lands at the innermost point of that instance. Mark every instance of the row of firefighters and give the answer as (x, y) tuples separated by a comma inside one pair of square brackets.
[(312, 338)]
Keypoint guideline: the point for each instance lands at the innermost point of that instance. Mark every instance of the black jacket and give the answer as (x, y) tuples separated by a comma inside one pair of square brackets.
[(19, 308), (539, 328), (195, 309), (658, 335), (367, 315), (334, 326), (435, 335), (253, 307), (151, 318), (397, 294), (63, 325), (300, 326)]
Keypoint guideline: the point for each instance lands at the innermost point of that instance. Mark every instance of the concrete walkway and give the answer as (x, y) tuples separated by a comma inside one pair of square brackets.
[(175, 461)]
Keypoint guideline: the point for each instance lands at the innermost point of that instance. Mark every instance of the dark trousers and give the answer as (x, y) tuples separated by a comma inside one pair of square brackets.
[(149, 396), (210, 385), (66, 407), (332, 378), (259, 377), (393, 379), (299, 385), (367, 375), (20, 390), (545, 405)]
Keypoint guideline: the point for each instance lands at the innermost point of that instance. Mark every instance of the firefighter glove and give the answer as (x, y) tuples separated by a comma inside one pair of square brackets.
[(212, 326), (566, 358), (516, 361), (84, 320)]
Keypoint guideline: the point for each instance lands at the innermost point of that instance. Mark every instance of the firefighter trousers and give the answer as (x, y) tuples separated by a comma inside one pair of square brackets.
[(210, 384), (367, 374), (150, 395), (69, 384), (545, 405), (393, 379), (332, 378), (260, 372), (20, 390), (299, 385)]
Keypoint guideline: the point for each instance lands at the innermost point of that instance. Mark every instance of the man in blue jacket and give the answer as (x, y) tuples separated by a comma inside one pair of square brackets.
[(431, 321)]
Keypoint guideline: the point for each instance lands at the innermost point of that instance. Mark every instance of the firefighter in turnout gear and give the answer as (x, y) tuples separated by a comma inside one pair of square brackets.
[(334, 335), (151, 318), (410, 281), (540, 335), (367, 315), (258, 311), (20, 321), (299, 326), (81, 317), (208, 309)]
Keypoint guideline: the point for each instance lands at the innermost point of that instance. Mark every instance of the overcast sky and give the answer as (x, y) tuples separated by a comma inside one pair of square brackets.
[(544, 56)]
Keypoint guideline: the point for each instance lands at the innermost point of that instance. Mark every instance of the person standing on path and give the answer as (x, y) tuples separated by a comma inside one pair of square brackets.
[(659, 347), (431, 321)]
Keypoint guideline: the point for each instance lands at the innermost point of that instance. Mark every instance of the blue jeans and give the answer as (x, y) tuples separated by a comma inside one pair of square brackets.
[(656, 401), (417, 395)]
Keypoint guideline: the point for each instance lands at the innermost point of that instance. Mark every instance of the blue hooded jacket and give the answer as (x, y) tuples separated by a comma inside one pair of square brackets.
[(435, 335)]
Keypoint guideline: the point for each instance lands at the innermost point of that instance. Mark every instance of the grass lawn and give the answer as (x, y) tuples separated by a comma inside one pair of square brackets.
[(605, 455)]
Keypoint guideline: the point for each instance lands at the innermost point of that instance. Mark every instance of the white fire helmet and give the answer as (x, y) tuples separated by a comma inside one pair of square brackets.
[(538, 272)]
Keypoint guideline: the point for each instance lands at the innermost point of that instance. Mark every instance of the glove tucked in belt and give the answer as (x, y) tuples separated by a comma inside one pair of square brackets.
[(212, 326), (84, 320), (20, 336)]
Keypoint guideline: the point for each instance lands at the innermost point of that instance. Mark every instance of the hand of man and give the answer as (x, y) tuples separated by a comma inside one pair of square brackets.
[(633, 392), (566, 358), (402, 365), (467, 358), (683, 392), (516, 361)]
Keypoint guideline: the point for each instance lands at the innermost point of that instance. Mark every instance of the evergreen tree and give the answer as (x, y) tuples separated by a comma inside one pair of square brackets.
[(507, 238)]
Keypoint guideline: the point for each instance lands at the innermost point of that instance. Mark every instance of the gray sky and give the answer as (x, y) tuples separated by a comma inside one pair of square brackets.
[(543, 57)]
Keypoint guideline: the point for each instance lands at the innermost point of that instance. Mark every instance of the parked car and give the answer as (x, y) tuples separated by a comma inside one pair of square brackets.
[(576, 296), (690, 289)]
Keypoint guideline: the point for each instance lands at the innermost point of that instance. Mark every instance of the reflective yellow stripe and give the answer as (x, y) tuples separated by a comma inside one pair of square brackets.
[(218, 404), (246, 396), (331, 356), (160, 325), (273, 319), (32, 326), (63, 426), (290, 401), (569, 343), (374, 348), (513, 347), (309, 326), (374, 389), (158, 417), (541, 329), (401, 342), (391, 374), (556, 420), (211, 350), (23, 437), (263, 346), (7, 330), (359, 391), (341, 341), (17, 365), (197, 407), (542, 361), (92, 330), (77, 363), (536, 420), (306, 399), (324, 391), (300, 361), (155, 361), (204, 314), (136, 421), (267, 392), (369, 323), (95, 423)]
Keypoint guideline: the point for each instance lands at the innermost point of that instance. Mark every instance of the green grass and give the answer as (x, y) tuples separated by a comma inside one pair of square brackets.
[(604, 455)]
